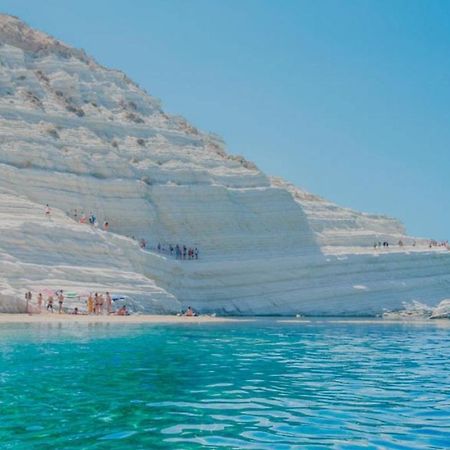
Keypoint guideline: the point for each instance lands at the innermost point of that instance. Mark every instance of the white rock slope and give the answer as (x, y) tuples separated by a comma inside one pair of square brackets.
[(77, 135)]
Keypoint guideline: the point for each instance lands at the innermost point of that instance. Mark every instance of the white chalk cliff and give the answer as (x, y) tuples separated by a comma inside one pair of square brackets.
[(77, 135)]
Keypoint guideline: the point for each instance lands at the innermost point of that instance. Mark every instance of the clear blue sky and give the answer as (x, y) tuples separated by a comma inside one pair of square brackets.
[(348, 99)]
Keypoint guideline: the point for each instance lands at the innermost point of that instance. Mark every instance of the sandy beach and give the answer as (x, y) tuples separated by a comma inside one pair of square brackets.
[(135, 319)]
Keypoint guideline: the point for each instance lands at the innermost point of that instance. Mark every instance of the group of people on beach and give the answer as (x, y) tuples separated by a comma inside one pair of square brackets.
[(99, 304), (96, 304), (58, 297), (179, 251)]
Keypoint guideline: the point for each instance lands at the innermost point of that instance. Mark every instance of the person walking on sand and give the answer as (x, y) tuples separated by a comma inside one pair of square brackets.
[(48, 211), (60, 301), (50, 303), (40, 301), (90, 304), (108, 303)]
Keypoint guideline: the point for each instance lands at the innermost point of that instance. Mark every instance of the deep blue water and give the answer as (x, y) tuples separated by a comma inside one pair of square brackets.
[(263, 385)]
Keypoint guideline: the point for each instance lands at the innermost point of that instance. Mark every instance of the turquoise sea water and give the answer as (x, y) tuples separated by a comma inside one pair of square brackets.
[(262, 385)]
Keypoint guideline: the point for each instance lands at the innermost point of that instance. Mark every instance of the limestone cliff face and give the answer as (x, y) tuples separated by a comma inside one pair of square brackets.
[(75, 134)]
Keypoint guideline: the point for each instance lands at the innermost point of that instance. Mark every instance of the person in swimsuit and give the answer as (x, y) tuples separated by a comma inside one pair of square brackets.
[(60, 301), (123, 311), (50, 303), (27, 301), (40, 301), (96, 304), (108, 303), (90, 304), (101, 301)]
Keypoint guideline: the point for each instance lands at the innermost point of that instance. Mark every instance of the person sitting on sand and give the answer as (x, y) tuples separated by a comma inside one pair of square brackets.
[(189, 312), (50, 303), (60, 301), (123, 311), (75, 311)]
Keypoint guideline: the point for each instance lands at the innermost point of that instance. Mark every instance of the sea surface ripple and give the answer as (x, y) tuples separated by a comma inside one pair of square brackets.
[(263, 385)]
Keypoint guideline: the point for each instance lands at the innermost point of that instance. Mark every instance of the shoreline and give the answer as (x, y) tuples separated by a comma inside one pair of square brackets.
[(6, 318), (111, 319)]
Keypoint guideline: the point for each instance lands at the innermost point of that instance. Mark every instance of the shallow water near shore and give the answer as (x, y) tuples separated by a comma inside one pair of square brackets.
[(266, 384)]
